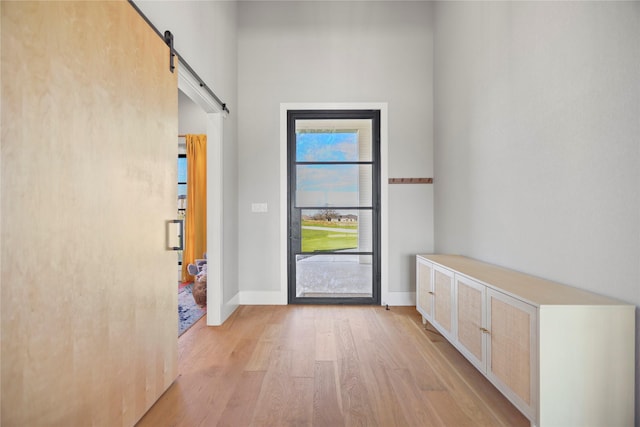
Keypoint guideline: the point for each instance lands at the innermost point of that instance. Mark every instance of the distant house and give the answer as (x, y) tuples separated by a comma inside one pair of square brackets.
[(348, 218)]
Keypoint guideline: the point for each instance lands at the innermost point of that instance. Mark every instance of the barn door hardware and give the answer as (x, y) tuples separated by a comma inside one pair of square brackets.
[(168, 39)]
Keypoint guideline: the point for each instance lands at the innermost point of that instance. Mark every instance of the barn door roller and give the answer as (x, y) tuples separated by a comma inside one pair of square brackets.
[(168, 39)]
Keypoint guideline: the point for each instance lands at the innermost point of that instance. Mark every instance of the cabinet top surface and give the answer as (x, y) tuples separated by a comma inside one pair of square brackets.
[(533, 289)]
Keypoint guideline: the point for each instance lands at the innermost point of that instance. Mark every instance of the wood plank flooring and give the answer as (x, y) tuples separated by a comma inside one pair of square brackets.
[(301, 365)]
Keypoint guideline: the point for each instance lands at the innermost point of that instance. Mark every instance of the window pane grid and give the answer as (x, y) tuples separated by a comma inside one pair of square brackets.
[(333, 202), (332, 185)]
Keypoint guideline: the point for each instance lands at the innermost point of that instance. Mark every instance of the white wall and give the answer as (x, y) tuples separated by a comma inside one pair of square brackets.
[(191, 117), (537, 127), (333, 52), (205, 36)]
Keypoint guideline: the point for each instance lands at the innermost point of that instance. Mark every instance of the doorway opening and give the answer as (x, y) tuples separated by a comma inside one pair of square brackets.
[(191, 210), (333, 179), (204, 115), (182, 196)]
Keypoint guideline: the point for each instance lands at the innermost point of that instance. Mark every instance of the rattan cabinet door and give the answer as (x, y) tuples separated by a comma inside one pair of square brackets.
[(511, 358), (443, 301), (471, 318), (424, 290)]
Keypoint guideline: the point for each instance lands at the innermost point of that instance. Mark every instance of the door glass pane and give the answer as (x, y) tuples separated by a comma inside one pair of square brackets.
[(333, 185), (182, 169), (333, 140), (347, 230), (182, 190), (327, 146), (336, 275)]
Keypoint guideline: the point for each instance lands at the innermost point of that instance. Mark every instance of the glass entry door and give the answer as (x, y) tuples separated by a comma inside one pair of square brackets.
[(334, 199)]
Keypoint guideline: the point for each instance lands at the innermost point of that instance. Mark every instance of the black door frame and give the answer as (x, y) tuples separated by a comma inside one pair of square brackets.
[(294, 216)]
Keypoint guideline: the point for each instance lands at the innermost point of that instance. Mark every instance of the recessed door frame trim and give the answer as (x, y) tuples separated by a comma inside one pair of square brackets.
[(384, 176), (217, 308)]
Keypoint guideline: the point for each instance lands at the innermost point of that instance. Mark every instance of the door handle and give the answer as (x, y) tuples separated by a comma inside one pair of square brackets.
[(172, 235)]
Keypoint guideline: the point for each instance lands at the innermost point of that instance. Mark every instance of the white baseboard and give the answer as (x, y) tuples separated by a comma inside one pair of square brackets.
[(226, 310), (279, 298), (399, 298), (235, 300), (262, 298), (229, 307)]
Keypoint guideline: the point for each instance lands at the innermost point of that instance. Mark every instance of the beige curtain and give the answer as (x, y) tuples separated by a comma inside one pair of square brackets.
[(195, 244)]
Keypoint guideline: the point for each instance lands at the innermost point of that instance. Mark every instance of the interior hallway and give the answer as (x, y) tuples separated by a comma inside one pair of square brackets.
[(326, 366)]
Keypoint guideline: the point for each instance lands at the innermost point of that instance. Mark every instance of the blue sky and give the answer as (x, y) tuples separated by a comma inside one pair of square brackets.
[(327, 147), (182, 175), (331, 178)]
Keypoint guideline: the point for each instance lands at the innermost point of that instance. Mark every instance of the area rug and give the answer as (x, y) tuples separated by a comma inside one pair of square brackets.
[(188, 311)]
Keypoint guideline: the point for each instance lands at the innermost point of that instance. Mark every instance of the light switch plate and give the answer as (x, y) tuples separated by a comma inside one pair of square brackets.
[(259, 207)]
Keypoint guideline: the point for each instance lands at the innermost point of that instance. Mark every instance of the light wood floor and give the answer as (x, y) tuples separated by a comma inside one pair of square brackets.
[(326, 366)]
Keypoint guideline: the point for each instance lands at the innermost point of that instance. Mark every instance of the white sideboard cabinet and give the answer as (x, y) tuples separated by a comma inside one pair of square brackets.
[(563, 356)]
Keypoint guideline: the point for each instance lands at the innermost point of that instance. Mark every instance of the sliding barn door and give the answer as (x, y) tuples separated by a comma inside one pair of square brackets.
[(88, 173)]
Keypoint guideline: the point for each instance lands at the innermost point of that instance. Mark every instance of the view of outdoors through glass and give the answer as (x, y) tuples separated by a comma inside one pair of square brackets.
[(333, 201)]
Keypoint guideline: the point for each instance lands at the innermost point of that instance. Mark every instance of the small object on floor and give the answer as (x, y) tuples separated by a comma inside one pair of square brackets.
[(200, 290), (200, 287)]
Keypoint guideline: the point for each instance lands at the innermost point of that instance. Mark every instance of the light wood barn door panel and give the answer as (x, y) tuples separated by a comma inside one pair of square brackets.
[(88, 173)]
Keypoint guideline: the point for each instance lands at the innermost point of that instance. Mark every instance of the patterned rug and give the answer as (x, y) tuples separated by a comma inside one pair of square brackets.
[(188, 311)]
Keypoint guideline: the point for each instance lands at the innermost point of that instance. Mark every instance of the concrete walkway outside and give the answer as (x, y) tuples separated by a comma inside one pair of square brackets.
[(334, 276)]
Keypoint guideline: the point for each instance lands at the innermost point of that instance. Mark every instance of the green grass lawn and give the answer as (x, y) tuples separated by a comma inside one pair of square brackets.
[(331, 224), (326, 240)]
